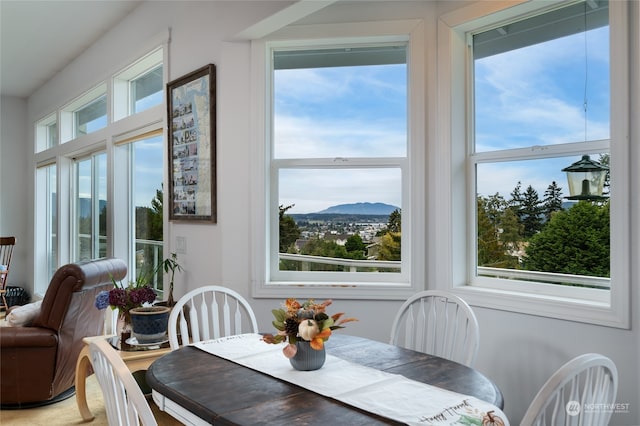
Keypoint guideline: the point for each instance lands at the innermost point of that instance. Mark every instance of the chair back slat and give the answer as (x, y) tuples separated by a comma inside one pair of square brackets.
[(6, 252), (576, 394), (214, 312), (437, 323), (124, 401)]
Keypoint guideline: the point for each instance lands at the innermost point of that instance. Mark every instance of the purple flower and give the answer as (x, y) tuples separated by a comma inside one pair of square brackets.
[(102, 299), (126, 298), (118, 297)]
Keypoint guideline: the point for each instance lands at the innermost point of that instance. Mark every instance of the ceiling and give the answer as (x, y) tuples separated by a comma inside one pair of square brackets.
[(39, 38)]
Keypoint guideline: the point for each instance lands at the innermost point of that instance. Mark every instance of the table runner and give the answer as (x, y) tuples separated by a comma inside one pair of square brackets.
[(389, 395)]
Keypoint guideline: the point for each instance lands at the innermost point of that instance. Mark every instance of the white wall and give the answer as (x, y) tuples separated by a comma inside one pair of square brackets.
[(14, 187), (517, 351)]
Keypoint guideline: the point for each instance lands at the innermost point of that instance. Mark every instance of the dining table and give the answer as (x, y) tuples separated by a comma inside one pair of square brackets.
[(198, 385)]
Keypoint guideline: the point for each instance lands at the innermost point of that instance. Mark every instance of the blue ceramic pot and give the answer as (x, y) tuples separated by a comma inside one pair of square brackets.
[(150, 323), (307, 358)]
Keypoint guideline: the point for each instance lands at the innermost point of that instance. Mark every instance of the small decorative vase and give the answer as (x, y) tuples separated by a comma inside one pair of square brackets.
[(307, 358), (150, 323), (124, 330)]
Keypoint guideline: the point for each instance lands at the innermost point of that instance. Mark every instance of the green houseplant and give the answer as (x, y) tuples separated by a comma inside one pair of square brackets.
[(170, 264)]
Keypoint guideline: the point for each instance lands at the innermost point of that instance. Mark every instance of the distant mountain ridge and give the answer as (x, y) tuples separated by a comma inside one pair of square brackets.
[(360, 208)]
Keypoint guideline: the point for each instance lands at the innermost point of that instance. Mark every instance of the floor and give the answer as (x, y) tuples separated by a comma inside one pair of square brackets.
[(66, 412)]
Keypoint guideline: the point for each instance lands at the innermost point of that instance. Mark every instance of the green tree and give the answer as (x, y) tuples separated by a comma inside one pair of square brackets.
[(390, 246), (604, 159), (324, 248), (575, 241), (355, 247), (499, 233), (552, 201), (395, 221), (490, 251), (494, 206), (516, 198), (289, 231), (510, 235), (530, 212)]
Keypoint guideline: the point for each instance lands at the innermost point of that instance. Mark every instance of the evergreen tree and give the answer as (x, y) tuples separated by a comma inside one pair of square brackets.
[(155, 221), (395, 221), (289, 231), (531, 212), (604, 159), (490, 252), (552, 201), (516, 199), (575, 241)]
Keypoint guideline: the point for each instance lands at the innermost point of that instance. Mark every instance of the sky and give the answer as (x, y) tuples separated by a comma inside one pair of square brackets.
[(533, 96), (336, 113)]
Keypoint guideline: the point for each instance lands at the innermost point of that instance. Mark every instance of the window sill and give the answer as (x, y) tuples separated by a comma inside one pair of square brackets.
[(358, 291), (590, 312)]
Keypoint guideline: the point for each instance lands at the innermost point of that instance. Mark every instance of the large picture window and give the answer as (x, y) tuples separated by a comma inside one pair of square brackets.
[(543, 86), (339, 164)]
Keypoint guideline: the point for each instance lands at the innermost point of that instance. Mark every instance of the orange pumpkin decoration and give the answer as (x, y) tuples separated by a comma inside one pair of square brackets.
[(490, 419)]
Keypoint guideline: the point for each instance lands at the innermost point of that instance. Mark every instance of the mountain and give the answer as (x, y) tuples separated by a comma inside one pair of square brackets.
[(361, 208)]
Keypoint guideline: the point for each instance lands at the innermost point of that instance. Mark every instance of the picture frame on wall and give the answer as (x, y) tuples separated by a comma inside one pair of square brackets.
[(191, 123)]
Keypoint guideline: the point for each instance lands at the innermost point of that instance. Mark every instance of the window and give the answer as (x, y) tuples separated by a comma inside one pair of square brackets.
[(339, 165), (139, 87), (47, 133), (46, 246), (544, 85), (91, 117), (99, 192), (146, 90), (144, 156), (85, 115), (90, 236)]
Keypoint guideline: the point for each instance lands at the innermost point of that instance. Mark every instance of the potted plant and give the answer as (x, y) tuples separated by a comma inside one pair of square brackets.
[(304, 327), (169, 264), (127, 298)]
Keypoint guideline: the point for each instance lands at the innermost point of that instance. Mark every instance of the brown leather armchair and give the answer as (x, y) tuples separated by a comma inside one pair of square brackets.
[(37, 362)]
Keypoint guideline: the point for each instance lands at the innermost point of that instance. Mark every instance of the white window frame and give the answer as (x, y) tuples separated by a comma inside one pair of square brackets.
[(125, 224), (458, 199), (71, 147), (43, 132), (265, 217), (67, 122), (43, 227), (92, 157), (122, 96)]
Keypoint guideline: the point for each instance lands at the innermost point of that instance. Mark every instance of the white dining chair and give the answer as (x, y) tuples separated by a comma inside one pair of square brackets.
[(210, 312), (438, 323), (577, 394), (124, 401)]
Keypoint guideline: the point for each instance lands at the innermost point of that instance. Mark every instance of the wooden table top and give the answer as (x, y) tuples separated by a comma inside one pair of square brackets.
[(219, 390)]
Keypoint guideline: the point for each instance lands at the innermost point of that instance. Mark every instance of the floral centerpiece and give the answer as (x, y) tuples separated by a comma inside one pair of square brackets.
[(126, 297), (306, 322)]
